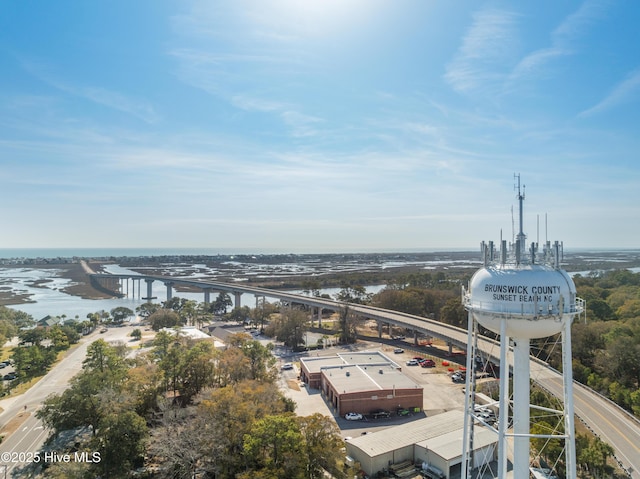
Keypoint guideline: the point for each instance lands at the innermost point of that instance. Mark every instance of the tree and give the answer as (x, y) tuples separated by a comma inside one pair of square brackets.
[(189, 311), (593, 458), (290, 327), (180, 445), (164, 318), (78, 406), (144, 385), (197, 370), (103, 358), (453, 313), (209, 436), (92, 393), (33, 336), (322, 446), (353, 294), (59, 339), (220, 305), (262, 312), (240, 315), (147, 309), (274, 443), (121, 443), (261, 359), (136, 334), (347, 331), (31, 361), (120, 313)]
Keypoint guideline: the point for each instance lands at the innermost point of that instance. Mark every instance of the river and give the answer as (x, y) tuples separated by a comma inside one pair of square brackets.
[(49, 299)]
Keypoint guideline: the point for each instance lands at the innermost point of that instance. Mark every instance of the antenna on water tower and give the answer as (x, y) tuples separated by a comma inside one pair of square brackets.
[(520, 301)]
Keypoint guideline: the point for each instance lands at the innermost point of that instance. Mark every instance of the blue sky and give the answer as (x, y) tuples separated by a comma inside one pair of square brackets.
[(318, 125)]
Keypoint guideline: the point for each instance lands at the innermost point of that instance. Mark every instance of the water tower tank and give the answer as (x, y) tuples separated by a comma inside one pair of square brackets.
[(535, 299)]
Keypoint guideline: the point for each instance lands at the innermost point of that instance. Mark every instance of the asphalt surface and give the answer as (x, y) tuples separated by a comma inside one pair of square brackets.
[(23, 445)]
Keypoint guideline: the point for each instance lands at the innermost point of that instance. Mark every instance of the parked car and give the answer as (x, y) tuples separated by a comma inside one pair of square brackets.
[(378, 413), (412, 362), (353, 416), (428, 363), (286, 366), (398, 351)]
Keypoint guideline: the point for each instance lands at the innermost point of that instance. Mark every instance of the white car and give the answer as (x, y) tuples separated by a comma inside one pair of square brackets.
[(287, 366), (353, 416), (412, 362)]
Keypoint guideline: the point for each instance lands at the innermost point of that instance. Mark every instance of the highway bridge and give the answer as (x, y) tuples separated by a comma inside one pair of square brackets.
[(605, 419)]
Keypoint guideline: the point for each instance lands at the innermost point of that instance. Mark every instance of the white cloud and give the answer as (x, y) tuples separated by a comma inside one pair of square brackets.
[(627, 90), (102, 96), (485, 47), (563, 39)]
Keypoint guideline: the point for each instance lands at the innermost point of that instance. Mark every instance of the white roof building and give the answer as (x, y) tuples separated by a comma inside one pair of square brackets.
[(435, 440)]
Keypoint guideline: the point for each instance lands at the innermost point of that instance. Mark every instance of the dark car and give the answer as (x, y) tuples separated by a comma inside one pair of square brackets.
[(380, 413)]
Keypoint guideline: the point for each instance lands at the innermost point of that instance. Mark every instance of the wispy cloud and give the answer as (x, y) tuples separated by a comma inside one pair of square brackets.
[(102, 96), (484, 49), (563, 39), (625, 91)]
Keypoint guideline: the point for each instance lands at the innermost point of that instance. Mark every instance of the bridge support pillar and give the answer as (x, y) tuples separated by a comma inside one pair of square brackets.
[(237, 295), (169, 286), (379, 329), (207, 295), (149, 290), (319, 316), (450, 345), (415, 337)]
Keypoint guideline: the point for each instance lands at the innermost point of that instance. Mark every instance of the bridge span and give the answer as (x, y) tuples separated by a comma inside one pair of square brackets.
[(604, 418)]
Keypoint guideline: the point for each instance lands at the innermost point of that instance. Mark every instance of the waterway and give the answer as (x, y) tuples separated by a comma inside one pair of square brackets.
[(44, 287), (49, 299)]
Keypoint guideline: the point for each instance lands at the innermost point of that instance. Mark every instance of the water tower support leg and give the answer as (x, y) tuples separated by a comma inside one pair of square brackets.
[(503, 421), (569, 425), (521, 405)]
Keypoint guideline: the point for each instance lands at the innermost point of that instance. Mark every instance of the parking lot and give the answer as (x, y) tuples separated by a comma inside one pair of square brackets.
[(440, 393), (7, 371)]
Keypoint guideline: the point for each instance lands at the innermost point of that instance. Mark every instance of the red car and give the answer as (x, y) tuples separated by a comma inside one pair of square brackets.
[(428, 363)]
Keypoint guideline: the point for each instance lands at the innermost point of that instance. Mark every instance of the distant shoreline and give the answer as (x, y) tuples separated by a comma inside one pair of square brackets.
[(106, 253), (292, 270), (57, 255)]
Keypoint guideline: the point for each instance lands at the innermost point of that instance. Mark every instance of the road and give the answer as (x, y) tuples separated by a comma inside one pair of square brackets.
[(19, 447)]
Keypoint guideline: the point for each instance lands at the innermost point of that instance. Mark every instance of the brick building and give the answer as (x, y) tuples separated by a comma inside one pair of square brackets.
[(362, 382)]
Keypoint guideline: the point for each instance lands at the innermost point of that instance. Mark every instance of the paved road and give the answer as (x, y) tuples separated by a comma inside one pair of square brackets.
[(19, 448)]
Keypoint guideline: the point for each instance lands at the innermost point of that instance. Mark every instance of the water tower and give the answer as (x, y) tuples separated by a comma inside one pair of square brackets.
[(520, 294)]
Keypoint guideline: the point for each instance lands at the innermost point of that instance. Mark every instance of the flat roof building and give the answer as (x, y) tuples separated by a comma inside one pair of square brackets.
[(361, 382), (435, 440)]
